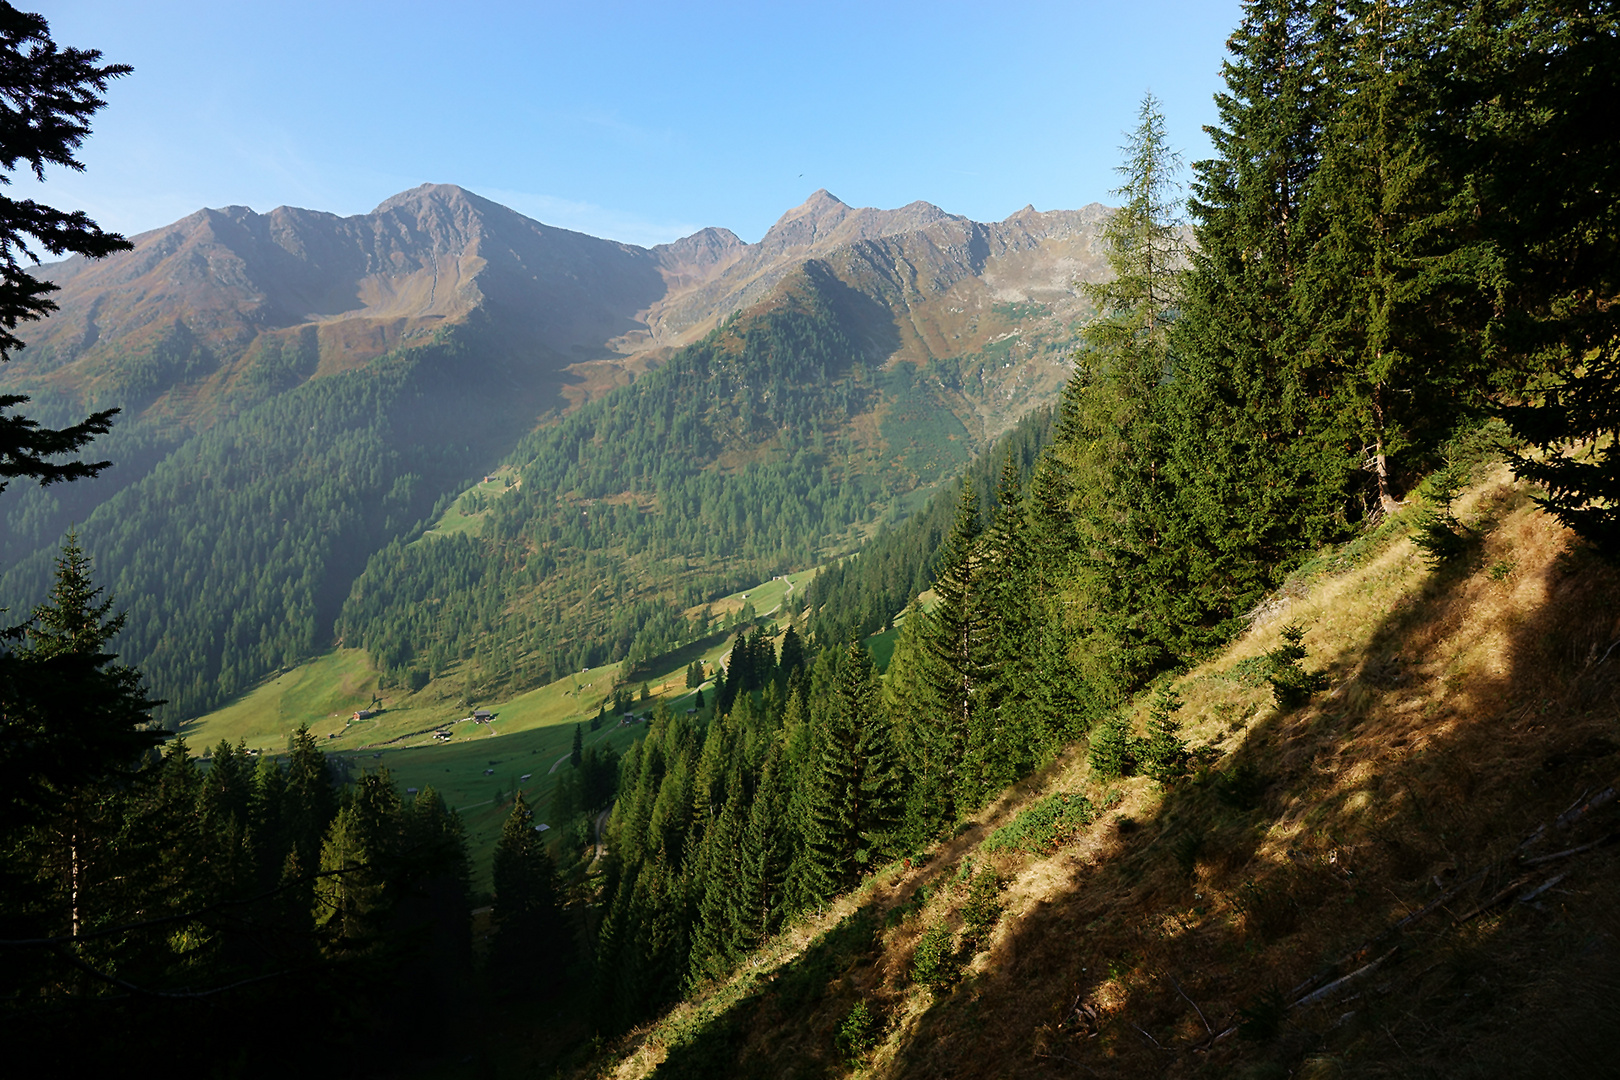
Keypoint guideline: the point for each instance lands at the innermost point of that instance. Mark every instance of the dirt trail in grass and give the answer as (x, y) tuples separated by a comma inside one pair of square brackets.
[(601, 848)]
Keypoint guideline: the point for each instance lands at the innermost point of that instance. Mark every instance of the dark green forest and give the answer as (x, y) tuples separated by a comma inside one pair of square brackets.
[(1370, 289)]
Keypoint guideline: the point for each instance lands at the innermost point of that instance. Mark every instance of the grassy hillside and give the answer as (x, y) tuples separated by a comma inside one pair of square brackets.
[(1408, 876), (524, 748)]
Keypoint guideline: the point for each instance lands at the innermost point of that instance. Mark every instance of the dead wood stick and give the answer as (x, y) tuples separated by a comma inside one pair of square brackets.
[(1191, 1002), (1567, 852), (1494, 900), (1070, 1060), (1209, 1044), (1151, 1039), (1577, 810), (1596, 802), (1543, 887), (1441, 901), (1361, 972), (1578, 800)]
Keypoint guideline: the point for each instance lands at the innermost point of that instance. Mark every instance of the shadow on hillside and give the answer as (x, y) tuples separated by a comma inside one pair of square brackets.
[(1412, 782), (677, 658), (721, 1046), (786, 1027)]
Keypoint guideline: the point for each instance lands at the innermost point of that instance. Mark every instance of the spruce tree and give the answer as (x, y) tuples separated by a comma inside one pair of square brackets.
[(958, 635), (1113, 748), (51, 94), (1164, 752), (577, 753), (72, 716), (1011, 735), (528, 923), (855, 798), (311, 802), (759, 899), (1393, 284), (716, 874), (792, 657), (1255, 444), (1541, 75)]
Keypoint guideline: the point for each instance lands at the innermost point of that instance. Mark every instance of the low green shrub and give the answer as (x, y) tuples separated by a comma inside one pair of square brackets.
[(934, 963), (859, 1032), (1044, 825)]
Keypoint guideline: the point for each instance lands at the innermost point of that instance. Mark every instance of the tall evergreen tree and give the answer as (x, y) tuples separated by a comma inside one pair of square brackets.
[(528, 937), (855, 789), (959, 636), (51, 93), (1539, 74), (1392, 288), (73, 716), (1129, 553), (759, 899), (1256, 444)]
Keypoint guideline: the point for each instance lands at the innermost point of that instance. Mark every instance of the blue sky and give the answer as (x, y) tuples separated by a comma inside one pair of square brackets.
[(637, 121)]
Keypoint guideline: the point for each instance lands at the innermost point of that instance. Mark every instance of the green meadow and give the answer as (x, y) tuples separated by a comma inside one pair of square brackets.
[(524, 747)]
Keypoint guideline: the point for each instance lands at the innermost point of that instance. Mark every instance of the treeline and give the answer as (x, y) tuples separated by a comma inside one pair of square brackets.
[(709, 475), (141, 887), (1372, 277), (859, 596)]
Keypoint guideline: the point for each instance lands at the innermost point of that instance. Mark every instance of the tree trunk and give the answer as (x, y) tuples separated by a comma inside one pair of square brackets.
[(1386, 498)]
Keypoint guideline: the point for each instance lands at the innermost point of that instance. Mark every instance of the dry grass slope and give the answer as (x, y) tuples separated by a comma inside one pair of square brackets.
[(1410, 876)]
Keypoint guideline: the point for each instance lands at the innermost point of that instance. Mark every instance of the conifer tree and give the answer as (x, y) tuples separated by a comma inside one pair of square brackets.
[(1112, 442), (528, 922), (1011, 735), (959, 642), (72, 716), (348, 895), (577, 753), (1540, 75), (1392, 287), (716, 876), (1255, 444), (1112, 748), (759, 899), (51, 94), (1164, 753), (855, 790), (310, 799), (792, 656)]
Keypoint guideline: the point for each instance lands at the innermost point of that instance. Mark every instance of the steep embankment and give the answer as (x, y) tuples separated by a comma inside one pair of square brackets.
[(1407, 876)]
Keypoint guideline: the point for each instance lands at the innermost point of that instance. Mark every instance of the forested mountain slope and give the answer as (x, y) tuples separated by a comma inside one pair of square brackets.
[(300, 391), (763, 448), (1408, 875)]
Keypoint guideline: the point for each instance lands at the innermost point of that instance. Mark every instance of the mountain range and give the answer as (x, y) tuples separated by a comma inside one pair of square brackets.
[(301, 390)]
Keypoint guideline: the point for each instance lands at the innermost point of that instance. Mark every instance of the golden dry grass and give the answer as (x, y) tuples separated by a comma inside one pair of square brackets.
[(1467, 707)]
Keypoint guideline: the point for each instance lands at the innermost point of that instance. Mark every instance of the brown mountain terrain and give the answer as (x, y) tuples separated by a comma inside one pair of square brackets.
[(579, 313), (306, 369)]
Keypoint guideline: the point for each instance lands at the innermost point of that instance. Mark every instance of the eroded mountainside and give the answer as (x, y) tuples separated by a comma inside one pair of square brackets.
[(300, 391)]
